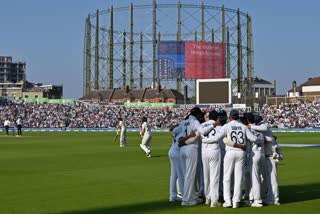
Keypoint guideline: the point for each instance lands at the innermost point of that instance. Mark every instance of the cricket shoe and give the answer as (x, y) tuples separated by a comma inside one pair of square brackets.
[(148, 154), (215, 204), (227, 205), (236, 205), (255, 204), (174, 199), (192, 203), (208, 201), (248, 202), (272, 203)]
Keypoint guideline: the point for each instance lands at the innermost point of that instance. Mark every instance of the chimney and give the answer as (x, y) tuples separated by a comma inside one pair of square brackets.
[(126, 89), (294, 85), (158, 88)]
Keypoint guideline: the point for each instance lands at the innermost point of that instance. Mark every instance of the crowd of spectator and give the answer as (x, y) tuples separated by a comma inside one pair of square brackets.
[(84, 115), (298, 115)]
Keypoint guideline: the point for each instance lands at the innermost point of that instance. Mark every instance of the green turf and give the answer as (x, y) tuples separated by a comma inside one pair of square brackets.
[(83, 173), (298, 137)]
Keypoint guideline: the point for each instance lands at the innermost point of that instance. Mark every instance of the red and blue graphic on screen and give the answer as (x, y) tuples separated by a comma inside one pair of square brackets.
[(191, 60)]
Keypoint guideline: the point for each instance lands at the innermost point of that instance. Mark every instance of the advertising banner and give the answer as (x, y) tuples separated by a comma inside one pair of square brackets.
[(171, 58), (204, 60)]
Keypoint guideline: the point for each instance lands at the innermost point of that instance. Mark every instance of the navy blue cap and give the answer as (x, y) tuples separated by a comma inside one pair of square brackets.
[(234, 113)]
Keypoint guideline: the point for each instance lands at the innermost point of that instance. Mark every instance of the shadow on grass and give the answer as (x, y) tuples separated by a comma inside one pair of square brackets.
[(134, 208), (288, 194), (297, 193)]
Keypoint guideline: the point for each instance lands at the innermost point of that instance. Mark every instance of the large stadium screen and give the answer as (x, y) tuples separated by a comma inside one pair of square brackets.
[(204, 60), (191, 60), (171, 56), (214, 91)]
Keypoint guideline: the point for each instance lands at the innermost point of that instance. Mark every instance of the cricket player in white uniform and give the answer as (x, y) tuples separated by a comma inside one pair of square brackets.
[(146, 135), (236, 140), (255, 166), (123, 133), (189, 155), (176, 168), (19, 126), (211, 159), (6, 125), (271, 161)]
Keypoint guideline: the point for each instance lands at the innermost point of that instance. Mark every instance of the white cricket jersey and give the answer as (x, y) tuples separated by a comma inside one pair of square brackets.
[(257, 146), (6, 123), (146, 129), (265, 129), (235, 131), (190, 125), (177, 133), (121, 124), (19, 122), (209, 145)]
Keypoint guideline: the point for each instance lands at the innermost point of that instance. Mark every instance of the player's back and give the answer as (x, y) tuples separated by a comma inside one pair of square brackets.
[(210, 146), (237, 132), (191, 125)]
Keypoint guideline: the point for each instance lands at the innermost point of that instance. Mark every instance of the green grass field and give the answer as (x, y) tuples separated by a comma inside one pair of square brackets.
[(84, 173)]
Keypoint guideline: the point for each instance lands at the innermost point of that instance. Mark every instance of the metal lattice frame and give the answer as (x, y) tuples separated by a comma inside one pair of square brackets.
[(121, 44)]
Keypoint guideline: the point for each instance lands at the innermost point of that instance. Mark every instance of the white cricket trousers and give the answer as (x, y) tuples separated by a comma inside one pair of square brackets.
[(123, 137), (176, 172), (211, 160), (233, 164), (199, 174), (145, 143), (256, 165), (271, 180), (189, 158)]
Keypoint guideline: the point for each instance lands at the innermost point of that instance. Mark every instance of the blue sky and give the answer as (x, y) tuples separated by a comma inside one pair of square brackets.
[(49, 36)]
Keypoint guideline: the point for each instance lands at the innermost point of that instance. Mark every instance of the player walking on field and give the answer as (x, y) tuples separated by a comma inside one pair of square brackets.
[(19, 126), (123, 133), (146, 135), (6, 125)]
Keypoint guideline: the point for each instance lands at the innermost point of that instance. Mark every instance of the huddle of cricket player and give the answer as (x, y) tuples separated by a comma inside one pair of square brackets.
[(216, 155)]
